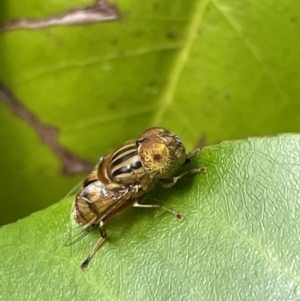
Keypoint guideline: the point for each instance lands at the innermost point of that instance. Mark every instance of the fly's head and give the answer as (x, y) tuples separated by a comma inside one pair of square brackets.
[(161, 152)]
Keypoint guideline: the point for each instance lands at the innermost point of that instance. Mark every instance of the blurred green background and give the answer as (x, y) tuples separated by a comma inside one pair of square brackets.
[(208, 70)]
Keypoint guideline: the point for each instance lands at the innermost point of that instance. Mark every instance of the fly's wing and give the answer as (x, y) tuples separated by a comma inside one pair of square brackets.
[(74, 238), (94, 203), (90, 178), (74, 189)]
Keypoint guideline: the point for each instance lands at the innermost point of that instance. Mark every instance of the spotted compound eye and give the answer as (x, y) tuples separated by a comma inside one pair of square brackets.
[(161, 152)]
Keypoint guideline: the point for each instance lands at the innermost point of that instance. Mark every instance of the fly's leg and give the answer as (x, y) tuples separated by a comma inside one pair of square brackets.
[(175, 213), (168, 182), (193, 153), (96, 246), (190, 155)]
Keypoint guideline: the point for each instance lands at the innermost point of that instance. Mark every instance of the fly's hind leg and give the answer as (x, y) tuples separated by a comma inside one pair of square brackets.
[(96, 246), (175, 213)]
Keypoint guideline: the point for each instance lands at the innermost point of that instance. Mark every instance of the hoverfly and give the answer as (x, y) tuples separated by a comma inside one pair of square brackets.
[(122, 179)]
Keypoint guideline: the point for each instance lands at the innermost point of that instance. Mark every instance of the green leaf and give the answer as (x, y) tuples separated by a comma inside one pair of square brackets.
[(239, 239), (215, 69)]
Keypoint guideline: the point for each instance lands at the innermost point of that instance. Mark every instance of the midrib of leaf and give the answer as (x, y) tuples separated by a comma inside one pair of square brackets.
[(265, 254), (183, 55)]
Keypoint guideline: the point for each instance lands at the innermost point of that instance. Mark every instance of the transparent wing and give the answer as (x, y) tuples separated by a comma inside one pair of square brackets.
[(74, 189), (92, 177), (81, 232)]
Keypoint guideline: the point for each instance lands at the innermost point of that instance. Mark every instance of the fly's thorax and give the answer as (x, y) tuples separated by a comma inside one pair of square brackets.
[(161, 152), (123, 167)]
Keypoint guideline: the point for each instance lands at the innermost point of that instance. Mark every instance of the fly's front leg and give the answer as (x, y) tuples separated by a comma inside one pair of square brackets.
[(193, 153), (175, 213), (96, 246), (168, 182), (190, 155)]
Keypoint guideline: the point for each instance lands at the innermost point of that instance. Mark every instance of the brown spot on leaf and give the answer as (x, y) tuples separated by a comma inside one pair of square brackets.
[(71, 163), (100, 11), (139, 33), (171, 35), (293, 19), (114, 41)]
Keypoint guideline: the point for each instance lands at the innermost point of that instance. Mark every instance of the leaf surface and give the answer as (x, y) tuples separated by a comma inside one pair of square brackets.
[(239, 239)]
